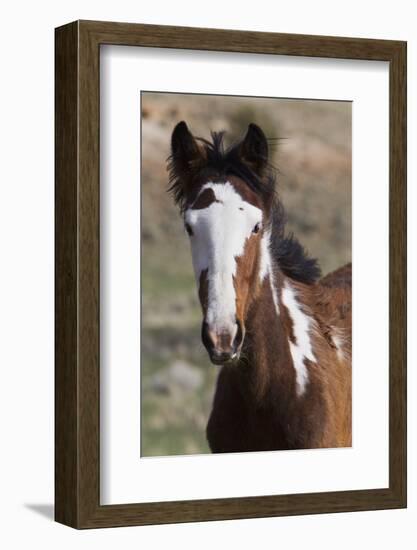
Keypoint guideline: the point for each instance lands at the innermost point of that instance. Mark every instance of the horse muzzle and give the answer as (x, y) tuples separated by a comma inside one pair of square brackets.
[(223, 345)]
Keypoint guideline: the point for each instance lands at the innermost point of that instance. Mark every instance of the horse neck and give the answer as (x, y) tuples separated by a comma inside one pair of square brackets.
[(269, 349)]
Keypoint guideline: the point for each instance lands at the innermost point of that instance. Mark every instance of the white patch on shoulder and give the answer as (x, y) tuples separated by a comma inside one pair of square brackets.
[(266, 268), (219, 235), (302, 324), (339, 342), (265, 261)]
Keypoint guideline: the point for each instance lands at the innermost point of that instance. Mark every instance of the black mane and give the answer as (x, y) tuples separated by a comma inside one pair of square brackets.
[(220, 162)]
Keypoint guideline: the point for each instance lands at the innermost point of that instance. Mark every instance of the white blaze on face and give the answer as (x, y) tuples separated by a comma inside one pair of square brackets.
[(219, 233)]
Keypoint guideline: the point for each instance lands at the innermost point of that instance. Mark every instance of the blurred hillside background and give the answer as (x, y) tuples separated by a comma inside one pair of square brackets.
[(314, 161)]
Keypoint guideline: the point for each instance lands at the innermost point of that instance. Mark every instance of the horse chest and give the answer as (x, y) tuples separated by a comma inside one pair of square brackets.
[(236, 425)]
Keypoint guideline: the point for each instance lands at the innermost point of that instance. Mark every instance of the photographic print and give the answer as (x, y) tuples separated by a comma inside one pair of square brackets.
[(208, 218), (245, 274)]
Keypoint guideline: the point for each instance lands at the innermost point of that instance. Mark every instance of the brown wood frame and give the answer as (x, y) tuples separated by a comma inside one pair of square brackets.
[(77, 274)]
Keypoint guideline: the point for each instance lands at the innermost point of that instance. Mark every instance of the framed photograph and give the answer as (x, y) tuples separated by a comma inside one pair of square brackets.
[(230, 274)]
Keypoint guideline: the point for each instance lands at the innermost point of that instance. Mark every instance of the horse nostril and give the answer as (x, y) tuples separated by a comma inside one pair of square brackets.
[(206, 337)]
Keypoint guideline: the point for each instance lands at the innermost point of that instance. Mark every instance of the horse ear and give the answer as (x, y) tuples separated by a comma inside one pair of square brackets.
[(254, 149), (186, 154)]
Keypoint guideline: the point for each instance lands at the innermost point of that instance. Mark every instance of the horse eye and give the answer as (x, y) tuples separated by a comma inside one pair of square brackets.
[(256, 228), (188, 229)]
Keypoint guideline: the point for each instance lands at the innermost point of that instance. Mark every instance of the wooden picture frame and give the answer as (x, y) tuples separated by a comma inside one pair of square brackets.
[(77, 374)]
